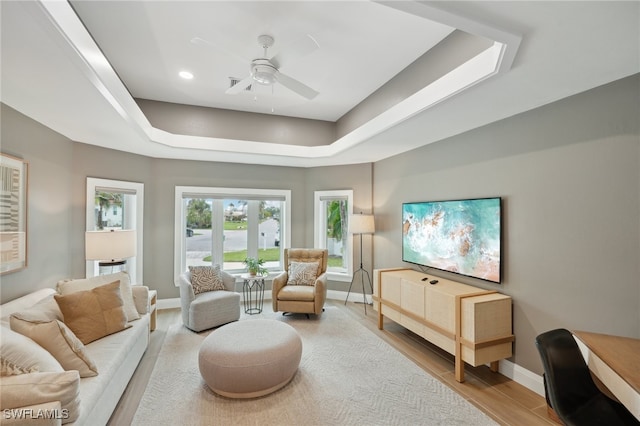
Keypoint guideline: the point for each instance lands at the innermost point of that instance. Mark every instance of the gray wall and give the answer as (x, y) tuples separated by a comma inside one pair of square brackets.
[(569, 177), (568, 172), (357, 177), (59, 168), (50, 203)]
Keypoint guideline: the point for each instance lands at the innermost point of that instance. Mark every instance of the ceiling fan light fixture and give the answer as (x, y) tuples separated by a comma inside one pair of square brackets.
[(263, 72)]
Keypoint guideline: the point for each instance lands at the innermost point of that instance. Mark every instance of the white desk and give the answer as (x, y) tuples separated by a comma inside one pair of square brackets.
[(616, 362)]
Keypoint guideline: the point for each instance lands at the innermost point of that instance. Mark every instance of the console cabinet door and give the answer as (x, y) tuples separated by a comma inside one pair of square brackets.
[(412, 298), (390, 288)]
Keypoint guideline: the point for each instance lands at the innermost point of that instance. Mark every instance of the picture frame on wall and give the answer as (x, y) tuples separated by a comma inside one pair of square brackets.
[(13, 213)]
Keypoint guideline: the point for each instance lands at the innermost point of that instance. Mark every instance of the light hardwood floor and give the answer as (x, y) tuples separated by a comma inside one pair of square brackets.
[(507, 402)]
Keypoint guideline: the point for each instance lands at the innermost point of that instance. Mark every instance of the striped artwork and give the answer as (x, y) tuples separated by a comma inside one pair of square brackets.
[(12, 214)]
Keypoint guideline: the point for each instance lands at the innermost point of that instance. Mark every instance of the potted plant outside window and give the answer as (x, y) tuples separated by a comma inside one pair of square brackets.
[(254, 266)]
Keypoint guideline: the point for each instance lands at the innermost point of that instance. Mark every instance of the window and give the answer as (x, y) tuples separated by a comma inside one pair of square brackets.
[(224, 226), (113, 205), (332, 210)]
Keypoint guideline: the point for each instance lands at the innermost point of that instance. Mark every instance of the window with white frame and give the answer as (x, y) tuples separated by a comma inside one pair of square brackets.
[(224, 226), (331, 215), (114, 205)]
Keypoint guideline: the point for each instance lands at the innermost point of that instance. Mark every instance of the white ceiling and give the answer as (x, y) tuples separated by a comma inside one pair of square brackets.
[(53, 72), (362, 46)]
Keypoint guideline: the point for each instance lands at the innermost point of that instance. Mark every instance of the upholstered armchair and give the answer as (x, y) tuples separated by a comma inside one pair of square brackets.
[(302, 287), (204, 308)]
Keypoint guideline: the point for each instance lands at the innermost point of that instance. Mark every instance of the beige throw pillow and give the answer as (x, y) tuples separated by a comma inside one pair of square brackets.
[(95, 313), (302, 273), (55, 337), (71, 286), (206, 278), (41, 388), (19, 355)]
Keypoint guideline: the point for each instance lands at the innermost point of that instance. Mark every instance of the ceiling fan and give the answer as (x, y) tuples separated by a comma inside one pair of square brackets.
[(267, 71)]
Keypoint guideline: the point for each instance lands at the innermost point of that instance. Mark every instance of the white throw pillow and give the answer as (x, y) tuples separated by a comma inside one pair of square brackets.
[(20, 355), (84, 284), (302, 273), (40, 388), (59, 340)]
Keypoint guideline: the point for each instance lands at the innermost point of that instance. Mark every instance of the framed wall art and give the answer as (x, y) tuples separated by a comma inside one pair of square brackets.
[(13, 213)]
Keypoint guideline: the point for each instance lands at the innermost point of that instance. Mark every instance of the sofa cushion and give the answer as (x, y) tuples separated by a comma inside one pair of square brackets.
[(94, 313), (59, 340), (302, 273), (117, 356), (40, 388), (206, 278), (71, 286), (19, 355)]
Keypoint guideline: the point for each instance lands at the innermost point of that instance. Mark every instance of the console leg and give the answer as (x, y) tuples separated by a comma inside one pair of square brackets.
[(459, 369)]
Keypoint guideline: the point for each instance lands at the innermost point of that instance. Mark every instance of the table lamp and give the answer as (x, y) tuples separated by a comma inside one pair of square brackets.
[(110, 248)]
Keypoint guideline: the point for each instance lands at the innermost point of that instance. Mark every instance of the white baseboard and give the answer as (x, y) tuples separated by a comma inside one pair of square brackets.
[(521, 375), (168, 303), (342, 295), (526, 378)]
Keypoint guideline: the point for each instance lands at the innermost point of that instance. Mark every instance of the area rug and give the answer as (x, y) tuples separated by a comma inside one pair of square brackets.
[(347, 376)]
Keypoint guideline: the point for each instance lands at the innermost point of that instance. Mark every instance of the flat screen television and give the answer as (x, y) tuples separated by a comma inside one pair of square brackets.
[(460, 236)]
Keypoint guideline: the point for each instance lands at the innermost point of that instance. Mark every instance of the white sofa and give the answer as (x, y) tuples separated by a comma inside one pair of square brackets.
[(116, 357)]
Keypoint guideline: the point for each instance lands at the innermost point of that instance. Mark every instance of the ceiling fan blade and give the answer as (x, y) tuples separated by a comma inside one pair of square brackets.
[(290, 53), (296, 86), (239, 86)]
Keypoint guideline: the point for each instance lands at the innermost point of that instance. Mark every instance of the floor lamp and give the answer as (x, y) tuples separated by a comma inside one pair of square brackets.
[(361, 224)]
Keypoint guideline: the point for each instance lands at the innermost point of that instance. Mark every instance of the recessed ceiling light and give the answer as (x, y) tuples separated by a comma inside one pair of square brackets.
[(186, 75)]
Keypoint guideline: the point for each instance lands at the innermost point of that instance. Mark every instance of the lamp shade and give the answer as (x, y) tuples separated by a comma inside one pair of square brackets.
[(361, 224), (110, 245)]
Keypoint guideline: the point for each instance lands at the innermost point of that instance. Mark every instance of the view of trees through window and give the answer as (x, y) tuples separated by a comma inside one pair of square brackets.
[(336, 214), (227, 231), (109, 210)]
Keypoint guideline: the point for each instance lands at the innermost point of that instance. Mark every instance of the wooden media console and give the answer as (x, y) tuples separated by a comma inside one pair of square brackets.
[(473, 324)]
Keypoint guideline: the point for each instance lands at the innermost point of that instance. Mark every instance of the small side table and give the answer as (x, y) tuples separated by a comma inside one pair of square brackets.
[(153, 300), (253, 293)]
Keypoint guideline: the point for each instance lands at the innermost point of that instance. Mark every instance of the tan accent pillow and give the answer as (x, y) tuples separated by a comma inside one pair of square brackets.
[(65, 287), (206, 278), (41, 388), (55, 337), (302, 273), (95, 313), (20, 355)]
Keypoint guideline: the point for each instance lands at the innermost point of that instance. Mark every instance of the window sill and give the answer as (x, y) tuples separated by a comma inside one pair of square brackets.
[(335, 276)]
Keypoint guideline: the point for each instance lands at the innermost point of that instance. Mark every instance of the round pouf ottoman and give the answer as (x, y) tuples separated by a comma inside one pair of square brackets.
[(248, 359)]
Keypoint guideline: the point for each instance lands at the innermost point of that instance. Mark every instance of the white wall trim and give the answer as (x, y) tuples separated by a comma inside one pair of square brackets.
[(526, 378), (168, 303)]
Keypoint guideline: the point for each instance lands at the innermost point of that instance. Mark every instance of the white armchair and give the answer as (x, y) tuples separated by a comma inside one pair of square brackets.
[(209, 309)]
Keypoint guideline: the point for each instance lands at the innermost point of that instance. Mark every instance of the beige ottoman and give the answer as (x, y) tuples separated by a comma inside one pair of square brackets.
[(248, 359)]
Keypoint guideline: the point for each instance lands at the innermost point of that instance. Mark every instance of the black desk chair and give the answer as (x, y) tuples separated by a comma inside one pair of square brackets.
[(569, 387)]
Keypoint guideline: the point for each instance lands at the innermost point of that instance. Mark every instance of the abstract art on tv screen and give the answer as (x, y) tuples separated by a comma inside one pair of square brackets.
[(13, 214), (460, 236)]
